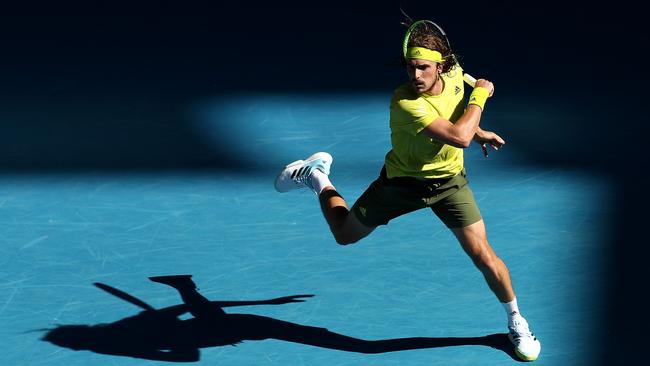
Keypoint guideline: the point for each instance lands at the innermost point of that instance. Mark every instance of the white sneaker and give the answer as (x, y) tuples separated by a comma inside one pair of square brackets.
[(298, 174), (527, 347)]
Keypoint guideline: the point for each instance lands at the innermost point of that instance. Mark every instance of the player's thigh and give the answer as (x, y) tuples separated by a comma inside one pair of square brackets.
[(472, 235), (384, 200), (473, 240), (458, 210), (460, 213)]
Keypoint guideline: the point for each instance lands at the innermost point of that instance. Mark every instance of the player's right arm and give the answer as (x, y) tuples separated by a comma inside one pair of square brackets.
[(461, 133)]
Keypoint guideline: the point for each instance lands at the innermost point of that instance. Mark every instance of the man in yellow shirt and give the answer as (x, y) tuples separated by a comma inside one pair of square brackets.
[(430, 127)]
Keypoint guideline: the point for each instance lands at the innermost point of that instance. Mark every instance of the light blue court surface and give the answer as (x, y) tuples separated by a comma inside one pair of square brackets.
[(243, 241)]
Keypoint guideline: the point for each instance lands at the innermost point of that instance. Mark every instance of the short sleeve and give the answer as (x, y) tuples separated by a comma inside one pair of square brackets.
[(411, 115)]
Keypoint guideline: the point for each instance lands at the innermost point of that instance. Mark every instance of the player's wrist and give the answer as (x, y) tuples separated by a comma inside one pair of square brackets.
[(478, 97)]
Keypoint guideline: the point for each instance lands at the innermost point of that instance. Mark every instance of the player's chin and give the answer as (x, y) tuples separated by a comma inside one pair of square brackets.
[(419, 88)]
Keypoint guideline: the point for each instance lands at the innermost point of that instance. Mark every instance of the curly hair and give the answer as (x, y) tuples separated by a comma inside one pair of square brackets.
[(425, 37)]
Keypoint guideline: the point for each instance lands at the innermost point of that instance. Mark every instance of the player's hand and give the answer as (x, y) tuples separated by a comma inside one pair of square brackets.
[(485, 138), (288, 299), (485, 84)]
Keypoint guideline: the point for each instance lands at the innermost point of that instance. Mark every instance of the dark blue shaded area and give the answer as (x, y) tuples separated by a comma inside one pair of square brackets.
[(81, 81)]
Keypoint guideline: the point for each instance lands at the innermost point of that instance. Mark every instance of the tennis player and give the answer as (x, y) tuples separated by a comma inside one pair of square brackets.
[(430, 126)]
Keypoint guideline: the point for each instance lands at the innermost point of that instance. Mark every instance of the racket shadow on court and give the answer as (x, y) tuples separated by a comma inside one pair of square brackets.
[(159, 334)]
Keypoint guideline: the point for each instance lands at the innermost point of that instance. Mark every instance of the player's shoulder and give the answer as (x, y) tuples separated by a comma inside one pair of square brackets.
[(405, 92), (405, 97), (407, 102)]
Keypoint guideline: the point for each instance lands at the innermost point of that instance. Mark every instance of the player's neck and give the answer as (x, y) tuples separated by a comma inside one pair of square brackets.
[(437, 87)]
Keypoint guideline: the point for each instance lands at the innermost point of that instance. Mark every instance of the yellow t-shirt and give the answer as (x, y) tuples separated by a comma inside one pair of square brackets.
[(413, 153)]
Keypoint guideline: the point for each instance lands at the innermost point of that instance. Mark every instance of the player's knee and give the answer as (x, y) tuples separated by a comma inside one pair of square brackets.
[(342, 240), (345, 238), (484, 260)]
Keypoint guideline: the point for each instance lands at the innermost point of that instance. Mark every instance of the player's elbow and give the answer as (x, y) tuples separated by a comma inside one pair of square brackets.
[(465, 143), (447, 133), (460, 138), (460, 142)]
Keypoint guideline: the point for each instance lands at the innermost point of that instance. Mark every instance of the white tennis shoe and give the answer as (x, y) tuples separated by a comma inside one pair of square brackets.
[(527, 347), (298, 174)]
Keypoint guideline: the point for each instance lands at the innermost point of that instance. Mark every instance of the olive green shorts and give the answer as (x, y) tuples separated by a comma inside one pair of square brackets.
[(451, 200)]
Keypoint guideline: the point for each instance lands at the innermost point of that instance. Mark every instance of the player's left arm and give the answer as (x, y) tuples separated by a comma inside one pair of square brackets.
[(484, 138)]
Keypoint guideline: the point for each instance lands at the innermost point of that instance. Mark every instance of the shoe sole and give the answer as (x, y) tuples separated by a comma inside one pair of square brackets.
[(523, 357)]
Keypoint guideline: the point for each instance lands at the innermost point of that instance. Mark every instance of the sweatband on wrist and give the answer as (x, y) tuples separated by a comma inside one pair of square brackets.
[(479, 97)]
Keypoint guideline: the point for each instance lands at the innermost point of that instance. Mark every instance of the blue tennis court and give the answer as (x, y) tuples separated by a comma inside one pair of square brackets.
[(408, 282), (142, 139)]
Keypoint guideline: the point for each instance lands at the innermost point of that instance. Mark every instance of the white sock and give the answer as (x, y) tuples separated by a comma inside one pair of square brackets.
[(320, 180), (512, 309)]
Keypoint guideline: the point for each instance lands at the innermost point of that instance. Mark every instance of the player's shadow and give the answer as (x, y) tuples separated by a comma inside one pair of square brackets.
[(159, 334)]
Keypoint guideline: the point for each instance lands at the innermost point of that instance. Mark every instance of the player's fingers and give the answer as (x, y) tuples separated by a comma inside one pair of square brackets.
[(497, 140), (485, 151)]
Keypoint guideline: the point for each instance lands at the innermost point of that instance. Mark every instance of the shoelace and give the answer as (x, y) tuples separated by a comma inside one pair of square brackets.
[(519, 329), (302, 176)]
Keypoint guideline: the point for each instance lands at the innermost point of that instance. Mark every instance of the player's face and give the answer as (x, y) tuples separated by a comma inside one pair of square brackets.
[(423, 74)]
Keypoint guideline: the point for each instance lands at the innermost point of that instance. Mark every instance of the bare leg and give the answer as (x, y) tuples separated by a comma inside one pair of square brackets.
[(473, 239), (345, 226)]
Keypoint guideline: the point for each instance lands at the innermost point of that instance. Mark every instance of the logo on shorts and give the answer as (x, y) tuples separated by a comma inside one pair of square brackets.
[(363, 211), (457, 89)]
